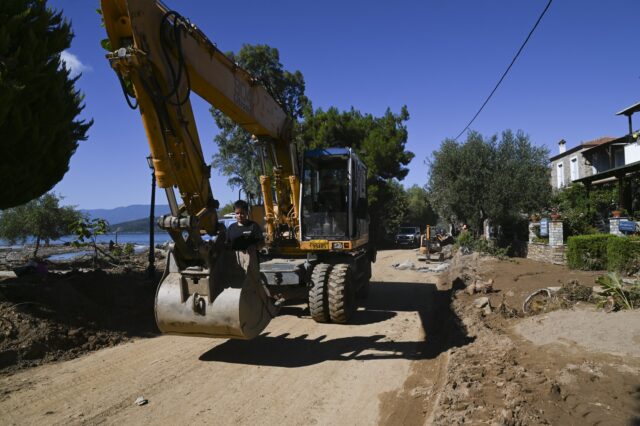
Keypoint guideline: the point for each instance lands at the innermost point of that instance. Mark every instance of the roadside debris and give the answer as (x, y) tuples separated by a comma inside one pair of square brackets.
[(505, 310), (480, 286), (141, 401), (573, 291), (484, 304), (536, 302), (610, 295), (435, 268), (408, 265), (404, 265)]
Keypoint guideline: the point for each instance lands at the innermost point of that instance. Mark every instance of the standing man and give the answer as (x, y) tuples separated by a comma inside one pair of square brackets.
[(244, 232)]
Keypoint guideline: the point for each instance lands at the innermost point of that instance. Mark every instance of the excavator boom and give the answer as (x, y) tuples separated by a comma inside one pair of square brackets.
[(160, 58)]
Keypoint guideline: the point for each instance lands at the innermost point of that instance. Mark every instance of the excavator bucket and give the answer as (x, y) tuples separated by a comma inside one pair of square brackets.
[(228, 302)]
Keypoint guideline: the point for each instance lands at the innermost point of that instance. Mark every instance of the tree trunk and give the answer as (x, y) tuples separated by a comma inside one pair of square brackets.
[(35, 251), (95, 254)]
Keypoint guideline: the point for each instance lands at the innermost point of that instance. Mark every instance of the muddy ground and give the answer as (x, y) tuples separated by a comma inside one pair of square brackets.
[(577, 366), (71, 308), (419, 351)]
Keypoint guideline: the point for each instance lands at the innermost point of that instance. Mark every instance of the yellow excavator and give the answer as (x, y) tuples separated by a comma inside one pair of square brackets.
[(315, 205)]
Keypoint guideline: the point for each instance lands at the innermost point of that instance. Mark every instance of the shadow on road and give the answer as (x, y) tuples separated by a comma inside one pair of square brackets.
[(362, 317), (441, 327)]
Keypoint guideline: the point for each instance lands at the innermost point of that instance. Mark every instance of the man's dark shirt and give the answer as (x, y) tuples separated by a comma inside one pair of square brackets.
[(241, 237)]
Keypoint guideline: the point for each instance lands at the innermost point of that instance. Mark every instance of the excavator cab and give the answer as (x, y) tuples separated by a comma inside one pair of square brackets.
[(333, 193)]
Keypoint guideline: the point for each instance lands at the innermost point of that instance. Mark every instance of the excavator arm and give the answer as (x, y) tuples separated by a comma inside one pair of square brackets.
[(160, 58)]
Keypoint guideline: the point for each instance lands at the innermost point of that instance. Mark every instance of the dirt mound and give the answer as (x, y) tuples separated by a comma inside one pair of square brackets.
[(504, 378), (63, 315)]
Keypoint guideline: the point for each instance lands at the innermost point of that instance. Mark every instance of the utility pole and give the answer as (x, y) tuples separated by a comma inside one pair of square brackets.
[(151, 270)]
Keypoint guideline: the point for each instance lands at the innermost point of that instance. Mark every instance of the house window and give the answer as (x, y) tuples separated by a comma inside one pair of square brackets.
[(618, 158), (560, 175), (573, 164)]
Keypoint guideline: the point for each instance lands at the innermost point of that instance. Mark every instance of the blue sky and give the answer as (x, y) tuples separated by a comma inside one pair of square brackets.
[(441, 59)]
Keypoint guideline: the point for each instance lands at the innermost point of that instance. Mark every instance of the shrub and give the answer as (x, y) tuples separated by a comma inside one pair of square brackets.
[(491, 248), (588, 252), (465, 239), (623, 297), (623, 254), (600, 252), (129, 249)]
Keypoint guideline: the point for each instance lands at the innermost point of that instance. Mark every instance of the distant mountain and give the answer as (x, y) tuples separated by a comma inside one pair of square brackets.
[(125, 214), (138, 225)]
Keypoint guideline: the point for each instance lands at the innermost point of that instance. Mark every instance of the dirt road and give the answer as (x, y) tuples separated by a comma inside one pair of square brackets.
[(385, 368)]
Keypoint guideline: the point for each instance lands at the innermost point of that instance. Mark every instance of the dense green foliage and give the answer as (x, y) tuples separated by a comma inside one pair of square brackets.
[(236, 157), (387, 209), (380, 143), (419, 211), (589, 252), (42, 218), (489, 178), (38, 104), (581, 209)]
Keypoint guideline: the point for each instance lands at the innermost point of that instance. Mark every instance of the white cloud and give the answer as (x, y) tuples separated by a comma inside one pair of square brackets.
[(72, 63)]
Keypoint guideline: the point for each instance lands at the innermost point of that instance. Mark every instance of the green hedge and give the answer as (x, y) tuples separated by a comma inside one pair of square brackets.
[(623, 254), (604, 251), (588, 252)]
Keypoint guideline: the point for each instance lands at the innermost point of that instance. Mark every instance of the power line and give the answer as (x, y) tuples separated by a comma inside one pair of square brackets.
[(508, 68)]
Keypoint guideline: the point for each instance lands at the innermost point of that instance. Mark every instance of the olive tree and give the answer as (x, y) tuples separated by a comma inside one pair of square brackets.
[(43, 219)]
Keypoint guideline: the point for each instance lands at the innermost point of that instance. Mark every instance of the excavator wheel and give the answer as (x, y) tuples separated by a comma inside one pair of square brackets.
[(318, 299), (341, 293)]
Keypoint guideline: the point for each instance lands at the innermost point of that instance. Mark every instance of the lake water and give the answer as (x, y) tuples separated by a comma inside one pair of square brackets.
[(138, 239)]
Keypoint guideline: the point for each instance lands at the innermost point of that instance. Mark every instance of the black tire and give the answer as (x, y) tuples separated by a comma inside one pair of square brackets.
[(318, 296), (341, 293)]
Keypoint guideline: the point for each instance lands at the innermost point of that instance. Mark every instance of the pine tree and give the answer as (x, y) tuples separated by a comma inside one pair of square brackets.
[(39, 104)]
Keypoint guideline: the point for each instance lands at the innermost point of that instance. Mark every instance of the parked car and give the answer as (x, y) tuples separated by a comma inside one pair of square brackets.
[(408, 236)]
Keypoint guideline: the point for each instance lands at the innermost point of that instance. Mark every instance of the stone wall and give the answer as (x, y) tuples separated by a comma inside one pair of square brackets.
[(556, 233), (545, 253)]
